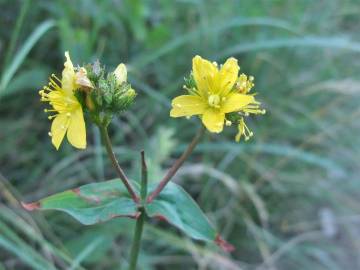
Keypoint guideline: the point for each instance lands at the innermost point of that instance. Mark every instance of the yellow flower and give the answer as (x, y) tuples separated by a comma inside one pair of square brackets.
[(68, 117), (218, 93)]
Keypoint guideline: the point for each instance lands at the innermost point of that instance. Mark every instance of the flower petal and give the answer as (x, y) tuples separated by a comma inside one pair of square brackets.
[(68, 75), (213, 120), (57, 99), (58, 129), (228, 75), (62, 102), (204, 73), (187, 105), (234, 102), (76, 133)]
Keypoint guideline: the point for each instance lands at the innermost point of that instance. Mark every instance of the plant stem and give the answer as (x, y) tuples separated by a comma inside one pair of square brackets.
[(137, 240), (144, 178), (119, 171), (174, 168), (140, 221)]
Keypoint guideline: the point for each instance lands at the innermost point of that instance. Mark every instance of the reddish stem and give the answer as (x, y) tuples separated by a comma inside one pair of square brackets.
[(118, 169), (174, 168)]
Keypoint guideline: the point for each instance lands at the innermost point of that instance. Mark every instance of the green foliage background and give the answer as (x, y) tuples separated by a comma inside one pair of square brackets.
[(287, 199)]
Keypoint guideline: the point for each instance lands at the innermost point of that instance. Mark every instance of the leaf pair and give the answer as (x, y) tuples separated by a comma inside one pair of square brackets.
[(99, 202)]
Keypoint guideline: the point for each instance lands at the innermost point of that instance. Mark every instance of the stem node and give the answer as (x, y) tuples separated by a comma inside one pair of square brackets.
[(140, 221)]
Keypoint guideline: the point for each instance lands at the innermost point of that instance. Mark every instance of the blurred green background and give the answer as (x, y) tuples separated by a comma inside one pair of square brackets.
[(287, 199)]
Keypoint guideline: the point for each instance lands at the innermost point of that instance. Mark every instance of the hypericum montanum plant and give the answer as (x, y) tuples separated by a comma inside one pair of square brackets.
[(218, 95)]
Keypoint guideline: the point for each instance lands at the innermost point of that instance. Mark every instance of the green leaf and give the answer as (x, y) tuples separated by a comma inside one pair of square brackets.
[(176, 206), (27, 80), (91, 203), (100, 202), (23, 52)]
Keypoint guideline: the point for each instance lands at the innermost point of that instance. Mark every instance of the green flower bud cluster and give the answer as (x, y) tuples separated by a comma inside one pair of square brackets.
[(110, 94)]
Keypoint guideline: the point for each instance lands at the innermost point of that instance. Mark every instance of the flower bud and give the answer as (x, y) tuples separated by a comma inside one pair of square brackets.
[(111, 93), (120, 73)]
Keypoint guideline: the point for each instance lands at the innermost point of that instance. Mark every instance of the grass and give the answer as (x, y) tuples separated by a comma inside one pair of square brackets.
[(287, 199)]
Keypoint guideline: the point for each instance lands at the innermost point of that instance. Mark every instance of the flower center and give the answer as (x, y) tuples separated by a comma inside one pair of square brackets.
[(214, 101)]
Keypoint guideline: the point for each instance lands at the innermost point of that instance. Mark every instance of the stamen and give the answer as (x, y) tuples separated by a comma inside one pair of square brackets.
[(243, 130), (50, 110), (56, 78), (244, 83)]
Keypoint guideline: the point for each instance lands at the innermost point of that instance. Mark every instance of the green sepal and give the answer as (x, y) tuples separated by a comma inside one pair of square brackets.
[(189, 83), (234, 117)]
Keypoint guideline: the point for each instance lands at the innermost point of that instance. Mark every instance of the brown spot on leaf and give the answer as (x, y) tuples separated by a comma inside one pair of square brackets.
[(91, 199), (31, 206), (161, 217), (76, 191), (225, 246), (111, 194)]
